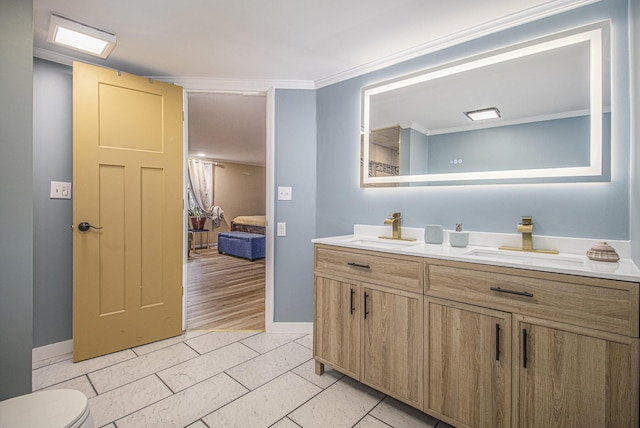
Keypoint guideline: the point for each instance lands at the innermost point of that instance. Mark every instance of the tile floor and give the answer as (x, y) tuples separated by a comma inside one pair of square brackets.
[(224, 379)]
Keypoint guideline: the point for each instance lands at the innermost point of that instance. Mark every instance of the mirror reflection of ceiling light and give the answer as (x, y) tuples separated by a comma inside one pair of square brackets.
[(483, 114), (80, 37)]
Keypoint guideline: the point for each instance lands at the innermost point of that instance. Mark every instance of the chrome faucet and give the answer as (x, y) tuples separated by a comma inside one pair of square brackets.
[(396, 231), (526, 228)]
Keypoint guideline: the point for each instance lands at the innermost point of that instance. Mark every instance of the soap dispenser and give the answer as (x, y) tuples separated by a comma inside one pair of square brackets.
[(458, 238)]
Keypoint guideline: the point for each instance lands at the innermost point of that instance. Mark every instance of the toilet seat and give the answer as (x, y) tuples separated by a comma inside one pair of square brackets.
[(59, 408)]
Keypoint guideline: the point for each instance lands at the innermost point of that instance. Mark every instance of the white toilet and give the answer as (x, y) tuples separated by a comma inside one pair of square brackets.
[(58, 408)]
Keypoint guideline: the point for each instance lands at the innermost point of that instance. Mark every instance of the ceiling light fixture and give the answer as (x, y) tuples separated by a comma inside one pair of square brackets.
[(483, 114), (80, 37)]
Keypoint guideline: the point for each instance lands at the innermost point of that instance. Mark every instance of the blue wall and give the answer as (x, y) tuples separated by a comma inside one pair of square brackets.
[(16, 199), (295, 166), (594, 210), (52, 161), (548, 144)]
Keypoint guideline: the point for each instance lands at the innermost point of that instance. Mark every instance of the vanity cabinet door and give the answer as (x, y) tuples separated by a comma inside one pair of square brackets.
[(392, 349), (467, 364), (567, 376), (337, 326)]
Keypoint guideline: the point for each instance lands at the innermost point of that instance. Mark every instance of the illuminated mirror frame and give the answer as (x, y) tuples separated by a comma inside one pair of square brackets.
[(594, 36)]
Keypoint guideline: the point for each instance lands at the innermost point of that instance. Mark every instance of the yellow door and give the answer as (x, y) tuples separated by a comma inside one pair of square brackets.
[(127, 177)]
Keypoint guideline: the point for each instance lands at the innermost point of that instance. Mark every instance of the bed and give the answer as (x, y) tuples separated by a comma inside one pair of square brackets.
[(249, 223)]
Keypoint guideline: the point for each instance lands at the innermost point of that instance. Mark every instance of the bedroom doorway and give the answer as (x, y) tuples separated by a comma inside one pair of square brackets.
[(227, 290)]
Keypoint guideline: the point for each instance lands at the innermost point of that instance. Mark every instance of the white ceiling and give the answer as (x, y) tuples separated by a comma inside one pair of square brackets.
[(276, 40)]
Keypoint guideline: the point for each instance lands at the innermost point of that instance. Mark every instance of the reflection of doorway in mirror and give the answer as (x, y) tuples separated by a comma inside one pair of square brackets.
[(384, 152)]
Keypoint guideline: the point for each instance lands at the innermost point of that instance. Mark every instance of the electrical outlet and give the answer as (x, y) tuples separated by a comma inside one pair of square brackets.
[(284, 193)]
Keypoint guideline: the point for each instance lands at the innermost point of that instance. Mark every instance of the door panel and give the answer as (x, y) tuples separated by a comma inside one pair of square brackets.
[(573, 377), (392, 348), (337, 329), (127, 177), (468, 374)]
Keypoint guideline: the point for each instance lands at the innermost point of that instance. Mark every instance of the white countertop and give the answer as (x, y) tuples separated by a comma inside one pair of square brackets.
[(572, 263)]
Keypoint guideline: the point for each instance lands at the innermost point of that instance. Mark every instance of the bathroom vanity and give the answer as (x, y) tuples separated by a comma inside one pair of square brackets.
[(478, 340)]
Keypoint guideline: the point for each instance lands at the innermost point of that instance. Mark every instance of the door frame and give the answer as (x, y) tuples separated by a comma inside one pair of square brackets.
[(269, 203)]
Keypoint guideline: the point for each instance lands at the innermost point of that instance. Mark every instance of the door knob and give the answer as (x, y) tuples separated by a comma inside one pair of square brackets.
[(84, 226)]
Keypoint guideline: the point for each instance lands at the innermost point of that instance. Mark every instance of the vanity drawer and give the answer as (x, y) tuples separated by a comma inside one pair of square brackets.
[(601, 304), (403, 272)]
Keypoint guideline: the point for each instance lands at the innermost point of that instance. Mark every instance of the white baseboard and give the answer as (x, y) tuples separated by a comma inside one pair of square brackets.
[(65, 347), (291, 327), (52, 350)]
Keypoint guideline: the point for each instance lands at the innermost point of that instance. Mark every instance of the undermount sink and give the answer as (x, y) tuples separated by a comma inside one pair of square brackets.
[(528, 258), (389, 244)]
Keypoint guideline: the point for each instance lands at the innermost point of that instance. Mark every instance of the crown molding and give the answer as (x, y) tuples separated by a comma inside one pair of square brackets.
[(193, 84), (494, 26), (204, 84)]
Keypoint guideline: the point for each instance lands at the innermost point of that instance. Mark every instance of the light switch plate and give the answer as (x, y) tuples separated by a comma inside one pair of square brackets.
[(282, 229), (60, 190), (284, 193)]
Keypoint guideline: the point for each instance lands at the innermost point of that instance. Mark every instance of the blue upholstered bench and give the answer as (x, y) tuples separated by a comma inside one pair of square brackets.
[(242, 244)]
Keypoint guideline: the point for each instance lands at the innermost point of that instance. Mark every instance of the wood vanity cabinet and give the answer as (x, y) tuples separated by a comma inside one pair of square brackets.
[(481, 346), (574, 347), (368, 319)]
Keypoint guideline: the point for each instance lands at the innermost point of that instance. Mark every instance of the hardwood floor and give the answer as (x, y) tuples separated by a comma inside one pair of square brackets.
[(224, 292)]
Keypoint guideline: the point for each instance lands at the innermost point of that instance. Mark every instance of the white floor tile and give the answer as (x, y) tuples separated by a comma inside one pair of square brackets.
[(265, 405), (308, 371), (128, 371), (198, 369), (265, 342), (187, 406), (217, 339), (306, 341), (262, 369), (398, 414), (65, 370), (371, 422), (343, 404), (52, 360), (285, 423), (150, 347), (81, 384), (127, 399), (197, 424), (443, 425)]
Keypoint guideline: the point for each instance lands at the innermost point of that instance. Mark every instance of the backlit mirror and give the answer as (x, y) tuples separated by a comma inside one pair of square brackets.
[(550, 104)]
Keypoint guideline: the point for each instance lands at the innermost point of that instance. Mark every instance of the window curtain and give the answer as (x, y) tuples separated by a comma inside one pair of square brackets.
[(201, 178)]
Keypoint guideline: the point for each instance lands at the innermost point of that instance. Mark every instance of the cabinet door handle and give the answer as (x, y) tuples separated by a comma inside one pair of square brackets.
[(351, 308), (366, 312), (504, 290), (359, 265), (524, 347), (497, 342)]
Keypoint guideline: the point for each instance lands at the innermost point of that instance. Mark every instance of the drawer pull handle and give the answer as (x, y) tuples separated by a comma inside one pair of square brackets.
[(351, 308), (497, 342), (524, 347), (359, 265), (366, 312), (519, 293)]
